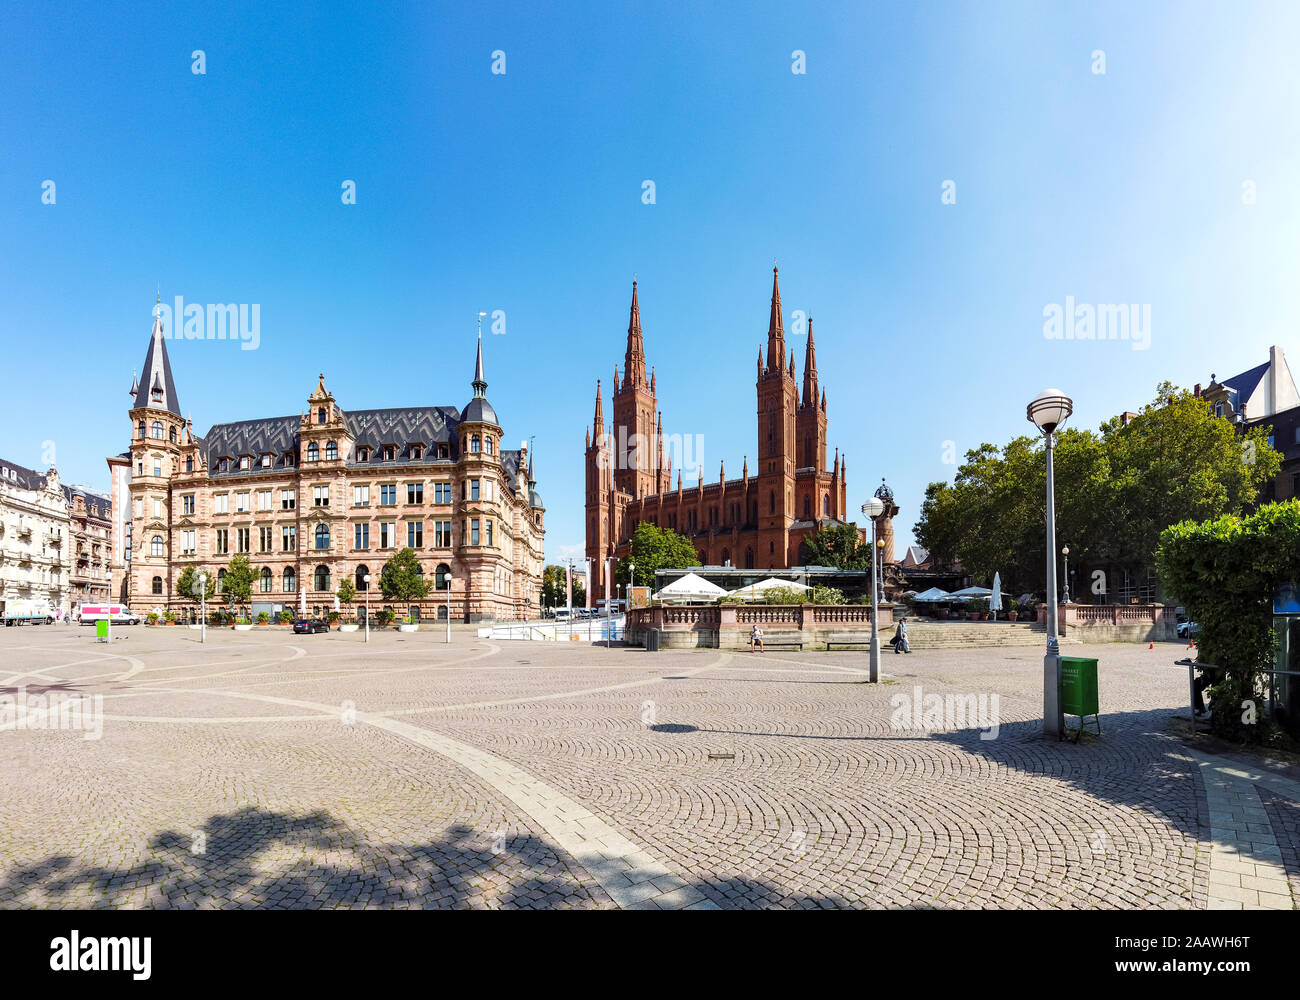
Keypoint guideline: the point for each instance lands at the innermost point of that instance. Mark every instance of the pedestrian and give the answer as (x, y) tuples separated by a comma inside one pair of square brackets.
[(899, 642), (756, 639)]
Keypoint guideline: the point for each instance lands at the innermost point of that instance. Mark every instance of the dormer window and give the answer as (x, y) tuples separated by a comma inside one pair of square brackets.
[(390, 453), (290, 458), (189, 463), (243, 463), (266, 460), (313, 452), (416, 452), (331, 451), (363, 454), (320, 415), (157, 395), (223, 465)]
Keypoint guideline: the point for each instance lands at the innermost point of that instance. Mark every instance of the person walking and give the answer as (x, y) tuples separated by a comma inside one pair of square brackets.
[(899, 641)]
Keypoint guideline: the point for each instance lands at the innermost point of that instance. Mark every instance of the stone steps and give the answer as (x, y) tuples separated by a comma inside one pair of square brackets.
[(963, 635)]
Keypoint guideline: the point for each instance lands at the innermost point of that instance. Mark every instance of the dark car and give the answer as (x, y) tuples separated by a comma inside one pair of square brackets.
[(307, 625)]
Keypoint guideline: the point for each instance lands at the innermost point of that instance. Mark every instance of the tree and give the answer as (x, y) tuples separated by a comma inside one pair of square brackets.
[(1116, 490), (1226, 572), (553, 586), (401, 579), (347, 591), (655, 548), (238, 583), (836, 545), (187, 584)]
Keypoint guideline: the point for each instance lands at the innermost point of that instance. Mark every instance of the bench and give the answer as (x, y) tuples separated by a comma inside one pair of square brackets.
[(850, 639), (771, 639)]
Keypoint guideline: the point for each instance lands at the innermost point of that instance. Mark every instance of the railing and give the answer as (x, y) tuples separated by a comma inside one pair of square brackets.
[(690, 615)]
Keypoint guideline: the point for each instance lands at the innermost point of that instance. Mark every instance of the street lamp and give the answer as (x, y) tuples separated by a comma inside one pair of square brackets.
[(880, 563), (873, 508), (366, 580), (1065, 552), (448, 578), (203, 607), (1048, 411)]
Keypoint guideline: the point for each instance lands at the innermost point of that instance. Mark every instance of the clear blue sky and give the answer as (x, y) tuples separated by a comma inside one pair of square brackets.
[(522, 193)]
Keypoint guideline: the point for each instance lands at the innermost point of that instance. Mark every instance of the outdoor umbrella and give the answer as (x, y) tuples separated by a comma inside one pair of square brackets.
[(755, 590), (690, 587), (932, 596), (995, 602)]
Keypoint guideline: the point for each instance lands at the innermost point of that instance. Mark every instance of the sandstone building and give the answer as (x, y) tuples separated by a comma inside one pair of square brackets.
[(327, 493)]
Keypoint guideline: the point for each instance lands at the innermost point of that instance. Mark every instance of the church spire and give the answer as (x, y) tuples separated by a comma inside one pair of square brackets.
[(634, 360), (156, 388), (810, 369), (479, 383), (775, 328), (598, 422)]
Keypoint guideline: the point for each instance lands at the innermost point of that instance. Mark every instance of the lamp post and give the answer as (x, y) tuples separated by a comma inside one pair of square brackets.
[(879, 564), (1065, 554), (203, 607), (366, 581), (1048, 411), (873, 508), (448, 608)]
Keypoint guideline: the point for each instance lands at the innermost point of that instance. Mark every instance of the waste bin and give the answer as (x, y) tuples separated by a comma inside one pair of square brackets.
[(652, 640), (1079, 689)]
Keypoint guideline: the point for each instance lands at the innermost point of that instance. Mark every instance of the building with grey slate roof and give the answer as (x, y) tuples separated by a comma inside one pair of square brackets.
[(328, 493)]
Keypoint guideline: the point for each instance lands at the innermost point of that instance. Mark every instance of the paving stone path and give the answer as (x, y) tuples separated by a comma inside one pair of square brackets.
[(266, 769)]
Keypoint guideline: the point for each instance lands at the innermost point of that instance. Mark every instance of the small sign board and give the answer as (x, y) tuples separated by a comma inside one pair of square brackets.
[(638, 597)]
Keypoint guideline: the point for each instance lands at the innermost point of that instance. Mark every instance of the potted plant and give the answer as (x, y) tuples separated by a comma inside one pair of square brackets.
[(286, 617), (349, 624), (978, 609), (151, 618), (169, 617), (264, 618), (383, 616)]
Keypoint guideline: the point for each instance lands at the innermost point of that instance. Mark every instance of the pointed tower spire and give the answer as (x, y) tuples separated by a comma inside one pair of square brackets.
[(810, 369), (792, 363), (775, 328), (598, 422), (135, 384), (634, 360), (156, 388), (479, 383)]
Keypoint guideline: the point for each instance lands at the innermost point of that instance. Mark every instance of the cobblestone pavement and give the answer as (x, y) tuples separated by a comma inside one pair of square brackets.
[(267, 769)]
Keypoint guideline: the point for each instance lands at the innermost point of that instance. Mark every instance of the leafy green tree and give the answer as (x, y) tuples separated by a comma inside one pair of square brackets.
[(187, 584), (836, 545), (1225, 572), (400, 579), (654, 548), (347, 591), (1117, 489), (238, 583), (553, 586)]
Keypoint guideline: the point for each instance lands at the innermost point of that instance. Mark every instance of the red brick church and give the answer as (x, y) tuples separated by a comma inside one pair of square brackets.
[(756, 521)]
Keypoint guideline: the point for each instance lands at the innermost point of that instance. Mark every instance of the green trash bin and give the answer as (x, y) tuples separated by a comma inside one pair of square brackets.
[(1079, 690), (101, 629)]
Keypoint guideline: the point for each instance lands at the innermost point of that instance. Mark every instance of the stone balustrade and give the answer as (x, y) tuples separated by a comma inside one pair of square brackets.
[(1115, 622), (727, 626)]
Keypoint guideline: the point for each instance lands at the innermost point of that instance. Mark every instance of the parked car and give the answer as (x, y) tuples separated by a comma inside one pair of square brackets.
[(1188, 630), (306, 626)]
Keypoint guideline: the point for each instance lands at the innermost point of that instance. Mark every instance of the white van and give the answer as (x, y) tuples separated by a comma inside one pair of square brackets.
[(119, 614)]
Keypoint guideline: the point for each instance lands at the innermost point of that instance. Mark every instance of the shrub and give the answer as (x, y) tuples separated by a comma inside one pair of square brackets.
[(152, 618), (263, 618), (169, 617), (332, 617), (286, 617)]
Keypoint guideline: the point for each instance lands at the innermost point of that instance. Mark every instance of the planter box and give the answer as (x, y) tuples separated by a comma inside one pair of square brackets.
[(349, 628), (408, 628), (243, 628)]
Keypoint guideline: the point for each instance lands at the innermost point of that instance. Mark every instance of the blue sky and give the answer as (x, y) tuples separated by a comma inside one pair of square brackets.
[(522, 192)]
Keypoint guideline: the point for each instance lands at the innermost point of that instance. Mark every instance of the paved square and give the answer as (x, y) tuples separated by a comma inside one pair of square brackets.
[(267, 769)]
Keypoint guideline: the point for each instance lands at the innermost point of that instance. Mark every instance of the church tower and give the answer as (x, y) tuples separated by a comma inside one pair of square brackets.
[(778, 403), (634, 446), (599, 494)]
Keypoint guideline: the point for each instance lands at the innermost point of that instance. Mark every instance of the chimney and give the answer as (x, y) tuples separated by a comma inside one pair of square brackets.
[(1197, 390)]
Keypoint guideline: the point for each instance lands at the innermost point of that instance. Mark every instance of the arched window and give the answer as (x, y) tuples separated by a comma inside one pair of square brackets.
[(156, 430), (322, 536), (322, 578), (290, 580), (475, 445), (313, 452), (171, 433), (826, 504), (189, 463), (331, 450), (487, 445), (141, 428), (156, 546), (157, 584), (320, 415), (266, 580), (442, 577), (221, 581), (362, 573)]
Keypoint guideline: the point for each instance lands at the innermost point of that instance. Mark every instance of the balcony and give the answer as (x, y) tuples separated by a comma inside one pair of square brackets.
[(52, 538), (24, 531)]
